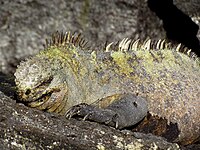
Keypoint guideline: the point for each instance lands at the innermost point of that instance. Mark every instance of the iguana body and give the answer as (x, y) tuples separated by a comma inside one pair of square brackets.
[(118, 82)]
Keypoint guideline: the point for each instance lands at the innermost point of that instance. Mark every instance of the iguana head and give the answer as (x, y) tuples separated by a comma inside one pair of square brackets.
[(38, 86), (41, 80)]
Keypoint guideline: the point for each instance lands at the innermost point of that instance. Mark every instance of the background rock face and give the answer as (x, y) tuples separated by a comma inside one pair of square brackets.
[(24, 128), (25, 24)]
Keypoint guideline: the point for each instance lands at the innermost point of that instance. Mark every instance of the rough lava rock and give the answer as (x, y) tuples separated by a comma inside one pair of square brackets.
[(25, 128), (23, 23)]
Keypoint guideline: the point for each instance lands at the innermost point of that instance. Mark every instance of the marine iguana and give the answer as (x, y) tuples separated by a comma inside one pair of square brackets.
[(116, 85)]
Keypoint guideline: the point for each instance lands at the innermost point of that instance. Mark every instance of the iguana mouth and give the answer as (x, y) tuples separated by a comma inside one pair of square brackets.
[(40, 100), (42, 97), (52, 100)]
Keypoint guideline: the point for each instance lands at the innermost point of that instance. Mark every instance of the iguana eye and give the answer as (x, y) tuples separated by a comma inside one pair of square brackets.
[(28, 91)]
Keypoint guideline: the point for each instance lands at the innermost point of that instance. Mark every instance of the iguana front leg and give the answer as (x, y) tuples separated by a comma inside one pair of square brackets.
[(121, 110)]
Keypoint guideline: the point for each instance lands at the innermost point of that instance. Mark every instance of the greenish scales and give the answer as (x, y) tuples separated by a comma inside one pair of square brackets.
[(116, 85)]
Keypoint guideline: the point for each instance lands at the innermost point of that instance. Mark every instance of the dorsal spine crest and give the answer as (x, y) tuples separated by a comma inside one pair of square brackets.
[(127, 44), (62, 39)]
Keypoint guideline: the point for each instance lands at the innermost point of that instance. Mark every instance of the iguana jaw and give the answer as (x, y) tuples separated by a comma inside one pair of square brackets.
[(49, 95), (52, 100), (41, 97)]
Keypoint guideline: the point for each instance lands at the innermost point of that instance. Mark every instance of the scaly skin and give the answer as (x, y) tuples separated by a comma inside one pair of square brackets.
[(67, 73)]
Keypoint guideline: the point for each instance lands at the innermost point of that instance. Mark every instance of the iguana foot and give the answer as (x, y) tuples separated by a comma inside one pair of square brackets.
[(125, 110), (89, 112)]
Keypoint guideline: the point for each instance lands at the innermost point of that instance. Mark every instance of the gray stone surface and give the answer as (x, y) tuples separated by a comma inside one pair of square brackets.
[(25, 128), (25, 24)]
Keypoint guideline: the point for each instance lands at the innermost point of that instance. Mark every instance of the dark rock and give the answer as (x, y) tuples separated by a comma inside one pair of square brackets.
[(7, 85), (25, 128)]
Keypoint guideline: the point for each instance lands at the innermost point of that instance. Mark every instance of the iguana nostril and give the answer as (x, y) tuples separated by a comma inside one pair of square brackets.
[(135, 104)]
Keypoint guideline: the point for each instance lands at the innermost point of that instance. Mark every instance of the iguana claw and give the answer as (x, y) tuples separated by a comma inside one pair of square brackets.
[(75, 110)]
